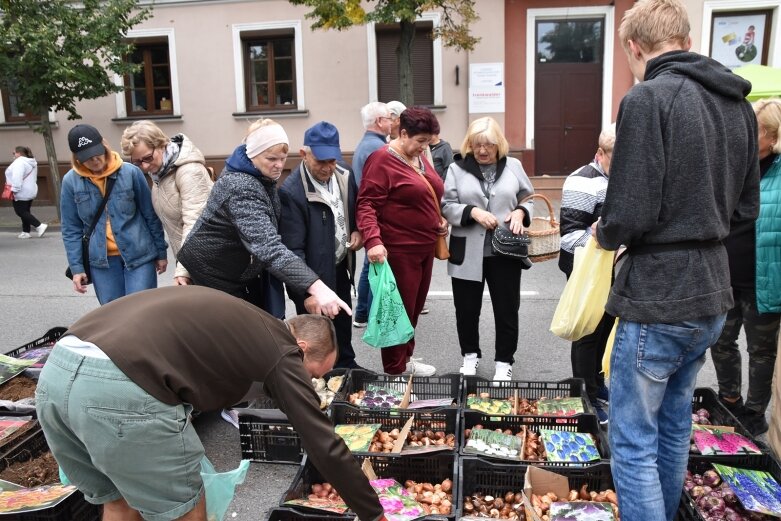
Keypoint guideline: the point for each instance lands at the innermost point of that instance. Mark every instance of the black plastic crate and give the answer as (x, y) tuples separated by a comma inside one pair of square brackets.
[(720, 415), (432, 468), (265, 401), (290, 514), (267, 436), (570, 388), (688, 511), (423, 387), (72, 508), (496, 479), (579, 423), (443, 419), (49, 338)]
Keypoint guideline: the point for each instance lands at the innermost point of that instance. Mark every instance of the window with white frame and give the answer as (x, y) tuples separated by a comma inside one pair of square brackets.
[(269, 66)]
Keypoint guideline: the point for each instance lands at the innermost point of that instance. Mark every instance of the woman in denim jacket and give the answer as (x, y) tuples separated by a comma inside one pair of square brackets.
[(127, 249)]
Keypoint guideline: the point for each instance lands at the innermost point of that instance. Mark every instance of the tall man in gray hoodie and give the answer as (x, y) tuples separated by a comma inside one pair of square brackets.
[(684, 168)]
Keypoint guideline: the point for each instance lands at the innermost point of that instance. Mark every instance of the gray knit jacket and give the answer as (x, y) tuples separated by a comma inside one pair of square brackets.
[(684, 167)]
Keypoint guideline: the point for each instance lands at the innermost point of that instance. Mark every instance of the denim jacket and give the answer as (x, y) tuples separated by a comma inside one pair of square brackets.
[(136, 228)]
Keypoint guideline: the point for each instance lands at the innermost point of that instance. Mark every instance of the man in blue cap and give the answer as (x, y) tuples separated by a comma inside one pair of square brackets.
[(318, 223)]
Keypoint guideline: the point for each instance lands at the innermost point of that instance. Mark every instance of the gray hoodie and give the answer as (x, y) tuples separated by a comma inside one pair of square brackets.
[(22, 175), (685, 166)]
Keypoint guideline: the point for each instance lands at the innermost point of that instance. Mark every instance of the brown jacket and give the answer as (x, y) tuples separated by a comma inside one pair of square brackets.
[(196, 345)]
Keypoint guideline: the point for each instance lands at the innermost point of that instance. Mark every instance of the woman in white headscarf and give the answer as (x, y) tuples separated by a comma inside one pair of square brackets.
[(235, 244)]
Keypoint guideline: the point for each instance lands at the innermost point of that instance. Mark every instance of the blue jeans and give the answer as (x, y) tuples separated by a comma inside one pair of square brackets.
[(364, 302), (653, 373), (117, 281)]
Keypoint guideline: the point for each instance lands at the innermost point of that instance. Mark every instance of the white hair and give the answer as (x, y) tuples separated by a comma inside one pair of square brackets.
[(371, 111)]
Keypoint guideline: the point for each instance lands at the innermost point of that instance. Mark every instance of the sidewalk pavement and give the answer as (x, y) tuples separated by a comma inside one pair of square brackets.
[(9, 221)]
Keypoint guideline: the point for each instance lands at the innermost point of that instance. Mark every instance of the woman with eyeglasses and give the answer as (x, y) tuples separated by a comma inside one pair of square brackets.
[(235, 246), (484, 189), (127, 249), (755, 276), (181, 180)]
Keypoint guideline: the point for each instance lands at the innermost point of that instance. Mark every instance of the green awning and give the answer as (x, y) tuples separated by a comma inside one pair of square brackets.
[(765, 81)]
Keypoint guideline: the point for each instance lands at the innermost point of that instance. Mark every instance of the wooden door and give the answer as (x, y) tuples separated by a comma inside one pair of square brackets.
[(568, 94)]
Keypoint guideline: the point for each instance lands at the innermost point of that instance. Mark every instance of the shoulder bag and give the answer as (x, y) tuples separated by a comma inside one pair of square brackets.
[(440, 248), (86, 237), (8, 193)]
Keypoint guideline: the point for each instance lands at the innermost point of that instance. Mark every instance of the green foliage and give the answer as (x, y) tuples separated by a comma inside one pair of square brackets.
[(54, 53), (457, 15)]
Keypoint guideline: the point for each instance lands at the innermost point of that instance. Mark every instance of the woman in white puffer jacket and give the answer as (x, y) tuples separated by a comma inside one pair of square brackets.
[(22, 175)]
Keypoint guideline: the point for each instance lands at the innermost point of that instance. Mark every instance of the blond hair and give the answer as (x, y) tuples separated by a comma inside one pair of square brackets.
[(142, 131), (485, 130), (317, 331), (768, 113), (607, 138), (653, 23)]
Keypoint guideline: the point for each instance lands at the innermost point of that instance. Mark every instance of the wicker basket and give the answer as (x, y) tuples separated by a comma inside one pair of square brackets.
[(544, 234)]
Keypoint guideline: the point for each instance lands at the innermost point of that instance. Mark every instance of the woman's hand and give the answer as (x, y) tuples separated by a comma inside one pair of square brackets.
[(80, 282), (161, 265), (356, 241), (325, 302), (377, 253), (182, 281), (515, 218), (443, 227), (485, 219)]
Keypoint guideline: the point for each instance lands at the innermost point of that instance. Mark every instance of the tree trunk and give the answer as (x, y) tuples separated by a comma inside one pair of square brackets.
[(404, 55), (51, 154)]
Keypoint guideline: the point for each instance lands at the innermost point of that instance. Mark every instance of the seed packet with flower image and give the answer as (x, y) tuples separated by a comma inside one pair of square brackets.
[(569, 446), (398, 504)]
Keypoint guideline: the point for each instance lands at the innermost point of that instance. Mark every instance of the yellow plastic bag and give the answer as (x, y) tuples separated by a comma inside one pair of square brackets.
[(582, 302), (609, 350)]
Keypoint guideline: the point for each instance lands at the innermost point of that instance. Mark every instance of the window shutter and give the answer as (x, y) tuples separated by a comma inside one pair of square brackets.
[(422, 65)]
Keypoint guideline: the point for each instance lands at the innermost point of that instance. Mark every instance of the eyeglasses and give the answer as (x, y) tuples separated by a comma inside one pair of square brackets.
[(487, 146), (144, 160), (385, 117)]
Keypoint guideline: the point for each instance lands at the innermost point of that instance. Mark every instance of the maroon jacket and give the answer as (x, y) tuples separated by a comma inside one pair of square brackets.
[(395, 207)]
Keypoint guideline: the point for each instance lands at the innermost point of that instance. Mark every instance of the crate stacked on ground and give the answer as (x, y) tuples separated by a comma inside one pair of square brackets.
[(423, 387), (72, 508), (495, 489), (528, 390), (431, 428), (266, 434), (433, 472)]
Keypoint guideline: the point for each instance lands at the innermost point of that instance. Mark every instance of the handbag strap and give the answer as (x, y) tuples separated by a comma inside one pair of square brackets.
[(431, 191), (109, 186)]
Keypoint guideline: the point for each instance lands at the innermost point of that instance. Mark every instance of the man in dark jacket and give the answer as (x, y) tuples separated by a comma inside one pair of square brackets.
[(318, 224), (684, 169), (115, 397)]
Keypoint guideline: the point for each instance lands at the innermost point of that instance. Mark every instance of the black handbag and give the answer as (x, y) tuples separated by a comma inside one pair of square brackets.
[(86, 237), (505, 243)]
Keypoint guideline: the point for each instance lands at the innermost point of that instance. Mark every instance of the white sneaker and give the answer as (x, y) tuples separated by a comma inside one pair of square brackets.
[(504, 372), (418, 368), (41, 229), (230, 416), (24, 235), (469, 367)]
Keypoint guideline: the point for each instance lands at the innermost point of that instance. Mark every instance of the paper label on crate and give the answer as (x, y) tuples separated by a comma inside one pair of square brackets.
[(489, 405), (712, 428), (560, 406), (10, 367), (33, 499), (396, 501), (581, 511), (433, 402), (317, 503), (715, 443), (11, 424), (569, 446), (757, 490), (485, 442), (357, 437)]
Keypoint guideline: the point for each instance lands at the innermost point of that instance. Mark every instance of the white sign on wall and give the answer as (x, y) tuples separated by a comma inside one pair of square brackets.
[(486, 87), (738, 39)]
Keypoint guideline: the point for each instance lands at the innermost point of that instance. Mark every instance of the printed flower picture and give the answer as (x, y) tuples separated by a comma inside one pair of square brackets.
[(569, 446)]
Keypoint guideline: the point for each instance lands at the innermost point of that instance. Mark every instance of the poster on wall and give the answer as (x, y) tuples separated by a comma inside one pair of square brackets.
[(740, 38), (486, 87)]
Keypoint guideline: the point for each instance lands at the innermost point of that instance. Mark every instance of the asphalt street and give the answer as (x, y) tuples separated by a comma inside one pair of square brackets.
[(35, 296)]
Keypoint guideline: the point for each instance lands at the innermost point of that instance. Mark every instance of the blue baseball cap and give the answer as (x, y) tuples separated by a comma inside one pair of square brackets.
[(323, 139)]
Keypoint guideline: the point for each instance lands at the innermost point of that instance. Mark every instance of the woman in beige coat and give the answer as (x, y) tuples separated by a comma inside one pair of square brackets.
[(182, 181)]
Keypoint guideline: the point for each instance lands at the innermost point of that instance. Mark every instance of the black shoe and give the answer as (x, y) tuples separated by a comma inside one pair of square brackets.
[(754, 422), (736, 408)]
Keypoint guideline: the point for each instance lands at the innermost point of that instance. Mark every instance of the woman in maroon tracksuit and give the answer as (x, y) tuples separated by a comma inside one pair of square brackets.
[(400, 219)]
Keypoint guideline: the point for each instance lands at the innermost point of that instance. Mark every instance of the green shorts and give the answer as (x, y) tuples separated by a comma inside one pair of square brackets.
[(114, 440)]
